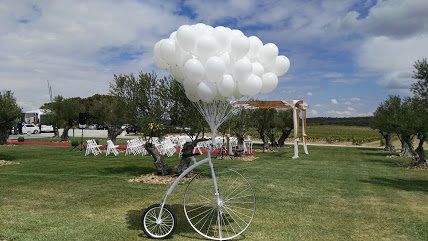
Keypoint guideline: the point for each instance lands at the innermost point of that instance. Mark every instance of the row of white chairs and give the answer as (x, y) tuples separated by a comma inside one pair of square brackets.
[(166, 146), (135, 147)]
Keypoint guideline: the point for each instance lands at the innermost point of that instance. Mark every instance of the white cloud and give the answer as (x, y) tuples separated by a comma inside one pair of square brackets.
[(317, 105), (347, 103), (355, 99), (309, 93), (78, 46), (337, 113), (313, 113), (334, 101), (396, 35), (393, 58), (350, 109)]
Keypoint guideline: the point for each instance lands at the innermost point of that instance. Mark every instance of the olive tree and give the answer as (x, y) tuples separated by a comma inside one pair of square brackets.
[(108, 110), (420, 104), (9, 113), (144, 97), (381, 122), (64, 112), (264, 122)]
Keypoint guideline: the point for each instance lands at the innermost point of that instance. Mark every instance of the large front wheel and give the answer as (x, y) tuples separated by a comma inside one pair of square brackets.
[(224, 216)]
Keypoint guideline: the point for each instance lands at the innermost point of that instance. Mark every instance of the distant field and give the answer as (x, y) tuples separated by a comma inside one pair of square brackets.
[(340, 133)]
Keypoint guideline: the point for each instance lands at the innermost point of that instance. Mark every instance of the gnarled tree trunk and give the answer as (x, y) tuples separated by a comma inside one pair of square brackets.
[(64, 135), (271, 136), (240, 143), (113, 132), (405, 148), (262, 136), (56, 132), (4, 135), (388, 141), (420, 154), (161, 167), (187, 155), (285, 133)]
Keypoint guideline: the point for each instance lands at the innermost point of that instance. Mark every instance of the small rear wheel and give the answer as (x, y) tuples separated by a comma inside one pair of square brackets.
[(155, 227)]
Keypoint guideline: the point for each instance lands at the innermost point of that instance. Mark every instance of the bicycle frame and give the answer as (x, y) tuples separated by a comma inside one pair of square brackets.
[(185, 172)]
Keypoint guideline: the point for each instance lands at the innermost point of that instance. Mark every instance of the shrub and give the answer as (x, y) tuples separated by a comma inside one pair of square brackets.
[(75, 143), (21, 139)]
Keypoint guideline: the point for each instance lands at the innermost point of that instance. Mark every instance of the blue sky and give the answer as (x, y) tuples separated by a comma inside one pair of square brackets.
[(346, 55)]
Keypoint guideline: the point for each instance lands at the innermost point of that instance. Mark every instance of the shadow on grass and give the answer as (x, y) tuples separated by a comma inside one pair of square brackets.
[(183, 229), (130, 170), (133, 218), (403, 184), (7, 157)]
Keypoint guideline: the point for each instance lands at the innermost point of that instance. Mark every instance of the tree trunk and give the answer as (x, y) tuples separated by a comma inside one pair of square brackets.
[(113, 132), (406, 146), (240, 143), (285, 133), (4, 135), (64, 135), (262, 136), (271, 136), (187, 155), (161, 167), (420, 154), (56, 132), (388, 142)]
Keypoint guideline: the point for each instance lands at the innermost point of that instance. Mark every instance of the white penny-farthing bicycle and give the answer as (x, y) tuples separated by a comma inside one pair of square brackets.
[(214, 65), (218, 205)]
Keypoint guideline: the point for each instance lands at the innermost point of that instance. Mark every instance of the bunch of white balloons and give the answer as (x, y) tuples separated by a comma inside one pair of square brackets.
[(220, 63)]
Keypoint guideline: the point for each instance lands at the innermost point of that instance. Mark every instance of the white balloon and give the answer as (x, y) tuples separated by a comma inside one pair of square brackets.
[(189, 85), (193, 70), (222, 37), (167, 50), (226, 59), (258, 69), (226, 87), (215, 68), (192, 96), (206, 46), (177, 73), (186, 37), (181, 56), (157, 57), (206, 92), (268, 54), (172, 36), (242, 69), (236, 32), (281, 66), (255, 45), (239, 46), (270, 81), (251, 86)]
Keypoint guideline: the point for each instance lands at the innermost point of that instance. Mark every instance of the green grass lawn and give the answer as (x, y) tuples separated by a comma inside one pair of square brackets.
[(332, 194)]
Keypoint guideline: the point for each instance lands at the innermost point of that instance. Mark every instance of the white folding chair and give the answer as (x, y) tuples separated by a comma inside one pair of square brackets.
[(92, 147), (248, 147), (112, 148)]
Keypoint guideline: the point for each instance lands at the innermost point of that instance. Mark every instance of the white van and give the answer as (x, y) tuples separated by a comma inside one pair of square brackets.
[(30, 129)]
